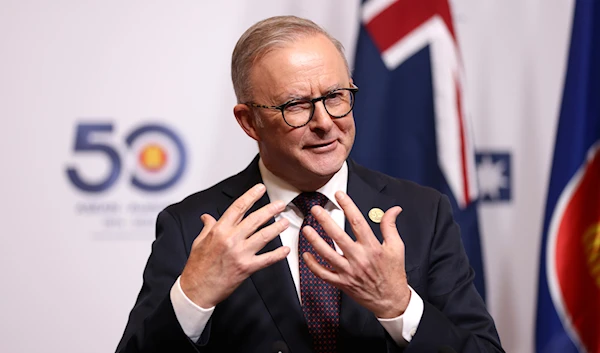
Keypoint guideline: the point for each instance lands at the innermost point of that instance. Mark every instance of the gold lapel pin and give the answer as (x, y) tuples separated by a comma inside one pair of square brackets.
[(375, 214)]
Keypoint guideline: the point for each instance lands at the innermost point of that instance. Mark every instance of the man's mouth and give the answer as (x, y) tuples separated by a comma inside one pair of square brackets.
[(323, 145)]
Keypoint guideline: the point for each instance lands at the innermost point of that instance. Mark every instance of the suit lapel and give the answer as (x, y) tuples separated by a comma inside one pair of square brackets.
[(274, 283), (366, 197)]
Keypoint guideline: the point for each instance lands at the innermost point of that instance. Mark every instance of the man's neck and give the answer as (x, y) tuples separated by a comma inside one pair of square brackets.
[(337, 181), (311, 183)]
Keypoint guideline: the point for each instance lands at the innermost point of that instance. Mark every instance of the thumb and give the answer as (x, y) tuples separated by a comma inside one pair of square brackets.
[(388, 225), (209, 222)]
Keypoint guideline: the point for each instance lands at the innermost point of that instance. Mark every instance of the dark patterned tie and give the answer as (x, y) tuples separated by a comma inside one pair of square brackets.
[(320, 300)]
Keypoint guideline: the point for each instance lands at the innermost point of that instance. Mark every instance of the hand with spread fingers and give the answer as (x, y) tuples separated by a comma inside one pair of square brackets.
[(370, 272), (224, 254)]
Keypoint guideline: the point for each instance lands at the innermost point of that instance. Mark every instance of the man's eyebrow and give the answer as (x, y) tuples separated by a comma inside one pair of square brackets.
[(286, 97), (332, 88)]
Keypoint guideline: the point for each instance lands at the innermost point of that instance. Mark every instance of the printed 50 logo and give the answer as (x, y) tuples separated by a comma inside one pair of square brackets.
[(157, 153)]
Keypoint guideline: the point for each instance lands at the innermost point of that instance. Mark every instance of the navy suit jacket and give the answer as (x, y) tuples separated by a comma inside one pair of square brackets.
[(264, 313)]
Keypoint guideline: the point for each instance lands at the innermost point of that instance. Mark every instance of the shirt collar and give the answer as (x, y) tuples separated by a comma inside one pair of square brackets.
[(279, 189)]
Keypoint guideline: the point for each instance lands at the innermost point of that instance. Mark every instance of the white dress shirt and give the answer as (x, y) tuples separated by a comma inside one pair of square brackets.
[(193, 318)]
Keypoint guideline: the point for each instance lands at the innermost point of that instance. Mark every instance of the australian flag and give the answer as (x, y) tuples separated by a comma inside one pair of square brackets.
[(410, 109), (568, 312)]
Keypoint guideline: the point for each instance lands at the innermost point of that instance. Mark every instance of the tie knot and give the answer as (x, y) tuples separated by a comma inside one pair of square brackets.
[(306, 200)]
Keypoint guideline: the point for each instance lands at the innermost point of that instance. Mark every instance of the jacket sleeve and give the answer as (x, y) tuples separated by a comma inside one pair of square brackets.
[(454, 313), (152, 325)]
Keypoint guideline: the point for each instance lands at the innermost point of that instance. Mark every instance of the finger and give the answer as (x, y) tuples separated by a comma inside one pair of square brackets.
[(389, 231), (234, 214), (261, 238), (332, 229), (267, 259), (355, 218), (321, 271), (257, 218), (208, 222), (325, 250)]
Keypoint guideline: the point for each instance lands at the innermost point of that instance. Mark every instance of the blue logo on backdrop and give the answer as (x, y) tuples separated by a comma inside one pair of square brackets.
[(494, 174), (160, 157), (149, 158)]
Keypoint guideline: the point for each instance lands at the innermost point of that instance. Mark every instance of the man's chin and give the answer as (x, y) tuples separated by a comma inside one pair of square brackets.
[(325, 168)]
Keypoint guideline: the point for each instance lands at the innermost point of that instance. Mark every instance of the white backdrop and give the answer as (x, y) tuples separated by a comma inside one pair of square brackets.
[(72, 260)]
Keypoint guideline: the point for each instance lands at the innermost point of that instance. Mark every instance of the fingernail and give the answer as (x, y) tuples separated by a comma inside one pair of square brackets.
[(259, 187), (340, 195), (279, 205)]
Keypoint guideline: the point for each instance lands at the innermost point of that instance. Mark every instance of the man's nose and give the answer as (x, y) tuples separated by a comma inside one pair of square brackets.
[(321, 119)]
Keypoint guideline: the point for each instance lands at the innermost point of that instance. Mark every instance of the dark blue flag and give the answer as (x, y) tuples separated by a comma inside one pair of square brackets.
[(568, 311), (410, 113)]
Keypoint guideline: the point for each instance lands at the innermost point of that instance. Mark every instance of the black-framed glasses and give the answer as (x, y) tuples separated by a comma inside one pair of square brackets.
[(298, 112)]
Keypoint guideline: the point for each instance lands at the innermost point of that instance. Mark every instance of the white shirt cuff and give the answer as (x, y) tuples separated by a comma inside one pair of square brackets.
[(191, 317), (404, 327)]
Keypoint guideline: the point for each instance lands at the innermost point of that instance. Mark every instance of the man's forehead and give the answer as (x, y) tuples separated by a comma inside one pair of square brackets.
[(305, 45), (303, 60)]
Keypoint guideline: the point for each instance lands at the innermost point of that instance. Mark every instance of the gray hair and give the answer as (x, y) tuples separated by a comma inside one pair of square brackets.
[(264, 36)]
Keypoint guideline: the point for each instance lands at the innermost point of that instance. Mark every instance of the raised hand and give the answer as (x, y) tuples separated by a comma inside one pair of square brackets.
[(224, 253), (371, 273)]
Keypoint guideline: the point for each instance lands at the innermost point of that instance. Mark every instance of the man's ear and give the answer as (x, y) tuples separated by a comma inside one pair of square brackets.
[(245, 118)]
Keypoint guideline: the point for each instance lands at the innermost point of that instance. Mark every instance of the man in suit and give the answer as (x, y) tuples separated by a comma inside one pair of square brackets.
[(295, 253)]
